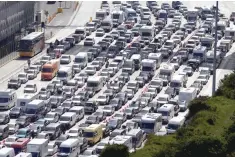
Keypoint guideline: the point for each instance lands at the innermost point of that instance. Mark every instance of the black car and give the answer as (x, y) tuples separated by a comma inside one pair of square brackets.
[(23, 121), (141, 81), (114, 124), (126, 76), (116, 102), (90, 107), (94, 51), (103, 44), (15, 112), (122, 96)]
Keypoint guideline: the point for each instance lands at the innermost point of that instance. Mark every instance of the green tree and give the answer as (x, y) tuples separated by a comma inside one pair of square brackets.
[(197, 105), (115, 150)]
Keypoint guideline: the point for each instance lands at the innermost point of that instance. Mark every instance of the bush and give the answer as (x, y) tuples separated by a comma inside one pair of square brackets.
[(227, 86), (199, 146), (197, 105), (231, 142), (115, 150)]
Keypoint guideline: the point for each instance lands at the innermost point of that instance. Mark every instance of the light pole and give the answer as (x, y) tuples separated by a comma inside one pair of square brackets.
[(215, 46)]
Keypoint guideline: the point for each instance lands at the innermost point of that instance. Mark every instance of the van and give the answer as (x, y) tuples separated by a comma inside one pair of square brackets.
[(107, 24), (79, 110), (35, 109), (23, 100), (137, 61), (7, 152), (70, 147), (82, 59), (96, 83), (80, 31), (65, 74), (93, 133), (167, 111), (138, 137), (54, 130), (175, 123), (157, 57), (4, 131), (178, 82), (69, 119), (8, 99)]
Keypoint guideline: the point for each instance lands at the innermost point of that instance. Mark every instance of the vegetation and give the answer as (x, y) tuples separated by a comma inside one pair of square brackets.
[(210, 131)]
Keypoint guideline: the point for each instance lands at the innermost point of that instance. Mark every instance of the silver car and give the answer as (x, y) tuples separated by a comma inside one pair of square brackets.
[(89, 41), (90, 70), (23, 77), (32, 74), (65, 59)]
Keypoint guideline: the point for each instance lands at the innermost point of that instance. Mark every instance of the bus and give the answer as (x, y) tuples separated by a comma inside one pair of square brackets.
[(31, 44)]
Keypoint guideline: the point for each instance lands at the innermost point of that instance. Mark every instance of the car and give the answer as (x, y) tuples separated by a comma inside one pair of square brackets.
[(65, 59), (80, 81), (114, 124), (73, 84), (126, 76), (116, 103), (130, 93), (32, 74), (92, 26), (115, 85), (61, 138), (141, 81), (116, 132), (110, 93), (188, 70), (104, 44), (203, 78), (35, 129), (157, 84), (14, 83), (74, 133), (105, 75), (108, 110), (52, 148), (88, 152), (147, 95), (51, 88), (84, 95), (152, 91), (23, 77), (13, 127), (100, 114), (136, 106), (129, 112), (120, 115), (97, 21), (115, 34), (10, 140), (24, 133), (122, 96), (30, 88), (15, 112), (52, 117), (198, 86), (4, 118), (103, 99), (97, 65), (42, 123), (92, 119), (84, 75), (45, 59), (101, 145), (67, 104), (134, 85), (89, 41), (43, 135), (23, 121), (99, 32), (90, 70), (69, 91)]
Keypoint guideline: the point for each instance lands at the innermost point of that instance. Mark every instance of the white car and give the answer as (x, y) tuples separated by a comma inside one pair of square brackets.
[(30, 88), (90, 70), (23, 77), (74, 133), (32, 74), (109, 110), (99, 32), (45, 59), (203, 78), (89, 41), (10, 140), (65, 59), (176, 39), (34, 67), (80, 80), (52, 148), (52, 117)]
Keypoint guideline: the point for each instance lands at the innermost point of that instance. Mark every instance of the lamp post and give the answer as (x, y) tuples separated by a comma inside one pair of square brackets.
[(215, 46)]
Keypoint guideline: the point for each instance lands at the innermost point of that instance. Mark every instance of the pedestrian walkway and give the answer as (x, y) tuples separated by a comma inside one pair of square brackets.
[(69, 8)]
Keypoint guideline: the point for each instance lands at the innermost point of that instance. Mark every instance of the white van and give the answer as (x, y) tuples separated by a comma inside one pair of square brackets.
[(174, 124), (69, 118), (23, 100), (82, 59), (95, 82), (70, 147), (167, 111), (178, 82), (65, 74), (7, 152), (8, 98), (79, 110), (157, 57)]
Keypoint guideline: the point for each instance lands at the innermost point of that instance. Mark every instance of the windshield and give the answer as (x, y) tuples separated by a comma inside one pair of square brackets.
[(61, 74), (144, 68), (164, 113), (79, 32), (4, 100), (147, 125), (162, 99), (132, 84), (162, 15), (47, 70), (101, 15), (156, 83), (132, 14), (173, 126), (198, 55), (175, 84), (92, 84), (65, 118), (25, 45), (49, 116), (116, 16), (21, 132), (65, 150), (30, 111), (112, 123), (146, 34), (21, 75), (14, 109), (88, 134)]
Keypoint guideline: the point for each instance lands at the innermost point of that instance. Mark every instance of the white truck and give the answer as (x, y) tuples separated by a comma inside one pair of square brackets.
[(96, 83), (198, 56), (118, 17), (157, 57), (151, 123), (81, 59), (38, 147), (166, 73), (8, 98), (147, 33), (122, 140), (167, 111), (23, 100), (65, 73), (100, 14), (175, 124), (192, 15), (149, 66), (185, 96)]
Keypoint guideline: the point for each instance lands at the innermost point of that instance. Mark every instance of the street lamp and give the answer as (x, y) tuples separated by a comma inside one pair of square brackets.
[(215, 47)]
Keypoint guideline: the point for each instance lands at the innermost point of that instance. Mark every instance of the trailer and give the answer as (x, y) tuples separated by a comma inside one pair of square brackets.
[(38, 147)]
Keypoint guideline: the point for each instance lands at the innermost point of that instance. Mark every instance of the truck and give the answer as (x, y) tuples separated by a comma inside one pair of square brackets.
[(151, 123), (50, 69), (210, 60), (122, 140), (8, 98), (128, 66), (198, 57), (166, 73), (185, 96), (192, 15), (23, 100), (156, 56), (208, 42), (38, 147), (149, 66), (147, 33), (118, 17)]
